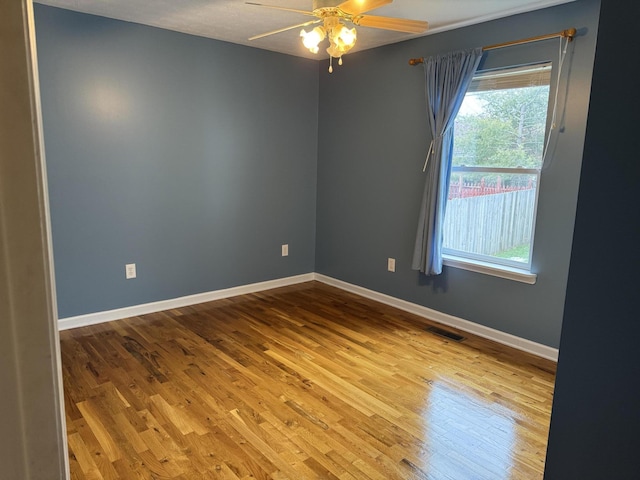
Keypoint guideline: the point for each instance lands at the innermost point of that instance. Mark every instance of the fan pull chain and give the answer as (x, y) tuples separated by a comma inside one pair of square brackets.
[(340, 61), (330, 64)]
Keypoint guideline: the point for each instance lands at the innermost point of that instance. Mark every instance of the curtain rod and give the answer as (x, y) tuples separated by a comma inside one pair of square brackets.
[(568, 33)]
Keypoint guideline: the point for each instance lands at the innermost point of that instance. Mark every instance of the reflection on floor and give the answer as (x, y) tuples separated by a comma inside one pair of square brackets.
[(299, 382), (474, 436)]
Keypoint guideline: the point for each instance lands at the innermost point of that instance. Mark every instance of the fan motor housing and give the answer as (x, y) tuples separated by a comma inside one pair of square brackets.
[(322, 4)]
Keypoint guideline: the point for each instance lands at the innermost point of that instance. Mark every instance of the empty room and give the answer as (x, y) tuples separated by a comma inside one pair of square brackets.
[(302, 240)]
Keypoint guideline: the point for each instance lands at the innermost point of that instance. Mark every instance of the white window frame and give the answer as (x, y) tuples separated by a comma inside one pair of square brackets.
[(486, 264)]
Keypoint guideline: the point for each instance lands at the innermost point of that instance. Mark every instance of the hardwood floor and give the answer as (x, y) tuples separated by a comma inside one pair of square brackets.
[(300, 382)]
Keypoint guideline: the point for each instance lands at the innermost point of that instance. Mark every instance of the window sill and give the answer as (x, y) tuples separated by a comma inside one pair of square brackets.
[(502, 271)]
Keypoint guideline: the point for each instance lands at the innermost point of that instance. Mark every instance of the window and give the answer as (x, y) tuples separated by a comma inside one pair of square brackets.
[(499, 140)]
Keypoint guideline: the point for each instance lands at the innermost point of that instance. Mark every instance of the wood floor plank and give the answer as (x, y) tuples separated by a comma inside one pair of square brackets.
[(92, 416), (301, 382)]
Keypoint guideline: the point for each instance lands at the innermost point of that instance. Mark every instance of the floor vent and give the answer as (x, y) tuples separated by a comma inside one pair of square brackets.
[(445, 333)]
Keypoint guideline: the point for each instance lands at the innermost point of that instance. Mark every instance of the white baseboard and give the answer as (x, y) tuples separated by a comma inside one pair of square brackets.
[(135, 310), (446, 319), (428, 313)]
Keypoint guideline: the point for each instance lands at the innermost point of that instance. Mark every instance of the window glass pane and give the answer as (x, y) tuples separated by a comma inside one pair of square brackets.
[(498, 133), (502, 128), (491, 214)]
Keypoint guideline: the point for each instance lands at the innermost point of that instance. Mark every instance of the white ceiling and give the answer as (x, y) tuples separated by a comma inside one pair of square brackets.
[(234, 21)]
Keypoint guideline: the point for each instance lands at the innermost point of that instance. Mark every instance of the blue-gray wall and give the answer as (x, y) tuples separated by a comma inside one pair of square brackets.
[(373, 138), (193, 158)]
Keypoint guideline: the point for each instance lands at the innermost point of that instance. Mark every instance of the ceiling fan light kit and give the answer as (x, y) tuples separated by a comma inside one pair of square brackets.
[(333, 16), (341, 38)]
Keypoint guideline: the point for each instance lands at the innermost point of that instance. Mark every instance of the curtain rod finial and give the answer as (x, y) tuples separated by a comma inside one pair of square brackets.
[(570, 33), (415, 61)]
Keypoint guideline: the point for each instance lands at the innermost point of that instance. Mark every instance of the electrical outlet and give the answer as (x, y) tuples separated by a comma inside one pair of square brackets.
[(285, 250), (391, 264), (130, 270)]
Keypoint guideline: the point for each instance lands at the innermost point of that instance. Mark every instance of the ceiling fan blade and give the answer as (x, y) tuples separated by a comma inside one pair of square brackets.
[(354, 7), (280, 30), (390, 23), (303, 12)]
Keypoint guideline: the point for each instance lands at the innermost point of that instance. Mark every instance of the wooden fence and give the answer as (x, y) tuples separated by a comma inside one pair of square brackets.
[(489, 224)]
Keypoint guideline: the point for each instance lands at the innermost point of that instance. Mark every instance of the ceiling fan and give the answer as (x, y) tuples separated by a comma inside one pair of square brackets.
[(332, 14)]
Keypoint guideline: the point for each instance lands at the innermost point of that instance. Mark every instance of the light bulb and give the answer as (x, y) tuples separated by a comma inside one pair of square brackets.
[(341, 39), (347, 36), (311, 39)]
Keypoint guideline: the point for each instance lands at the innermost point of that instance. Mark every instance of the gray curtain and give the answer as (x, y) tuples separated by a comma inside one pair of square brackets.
[(447, 77)]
